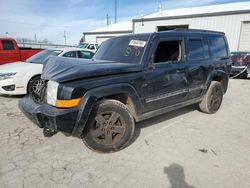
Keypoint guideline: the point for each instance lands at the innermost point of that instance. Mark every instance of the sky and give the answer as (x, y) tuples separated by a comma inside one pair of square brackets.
[(50, 18)]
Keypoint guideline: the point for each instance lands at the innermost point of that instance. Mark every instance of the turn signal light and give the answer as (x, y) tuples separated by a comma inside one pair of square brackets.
[(68, 103)]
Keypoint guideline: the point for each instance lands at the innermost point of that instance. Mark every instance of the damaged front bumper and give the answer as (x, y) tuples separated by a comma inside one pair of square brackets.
[(48, 117)]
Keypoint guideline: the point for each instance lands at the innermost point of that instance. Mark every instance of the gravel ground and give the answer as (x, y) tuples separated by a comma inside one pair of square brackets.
[(180, 149)]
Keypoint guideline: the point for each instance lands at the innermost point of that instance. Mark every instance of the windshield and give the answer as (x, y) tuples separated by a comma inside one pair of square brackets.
[(40, 57), (83, 45), (124, 49)]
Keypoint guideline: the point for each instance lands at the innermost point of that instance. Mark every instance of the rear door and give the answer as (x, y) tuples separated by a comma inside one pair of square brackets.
[(199, 64), (165, 81), (9, 51)]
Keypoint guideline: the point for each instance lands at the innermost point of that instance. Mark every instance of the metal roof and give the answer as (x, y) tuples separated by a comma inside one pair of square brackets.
[(118, 27), (201, 11)]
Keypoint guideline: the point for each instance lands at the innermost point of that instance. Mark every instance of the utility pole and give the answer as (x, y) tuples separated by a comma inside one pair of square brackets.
[(64, 36), (115, 11), (35, 39), (107, 19)]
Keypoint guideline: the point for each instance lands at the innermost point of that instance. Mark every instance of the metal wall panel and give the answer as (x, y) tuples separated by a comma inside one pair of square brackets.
[(244, 44), (229, 24)]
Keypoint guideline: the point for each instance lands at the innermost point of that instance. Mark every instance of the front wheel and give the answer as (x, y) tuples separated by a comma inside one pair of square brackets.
[(35, 85), (110, 127), (212, 99)]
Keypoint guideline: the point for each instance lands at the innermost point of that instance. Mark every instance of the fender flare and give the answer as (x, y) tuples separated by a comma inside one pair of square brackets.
[(92, 96), (218, 74)]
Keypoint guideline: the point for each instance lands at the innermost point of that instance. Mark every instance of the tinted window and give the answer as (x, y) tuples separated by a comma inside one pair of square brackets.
[(40, 57), (125, 49), (85, 54), (168, 51), (91, 47), (197, 50), (218, 46), (8, 45), (70, 54)]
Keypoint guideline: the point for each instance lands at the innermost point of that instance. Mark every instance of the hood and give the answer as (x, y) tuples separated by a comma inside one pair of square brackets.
[(17, 67), (61, 69)]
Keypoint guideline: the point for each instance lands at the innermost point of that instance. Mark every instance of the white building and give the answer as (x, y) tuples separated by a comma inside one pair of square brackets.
[(233, 19), (99, 35)]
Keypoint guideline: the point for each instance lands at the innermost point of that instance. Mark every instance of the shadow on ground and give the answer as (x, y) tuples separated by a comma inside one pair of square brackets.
[(12, 96), (176, 176)]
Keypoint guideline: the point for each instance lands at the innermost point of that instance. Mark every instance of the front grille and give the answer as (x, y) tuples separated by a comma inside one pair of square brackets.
[(39, 94)]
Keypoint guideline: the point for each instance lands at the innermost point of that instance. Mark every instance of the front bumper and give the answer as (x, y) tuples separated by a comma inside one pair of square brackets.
[(49, 117), (237, 69), (19, 89)]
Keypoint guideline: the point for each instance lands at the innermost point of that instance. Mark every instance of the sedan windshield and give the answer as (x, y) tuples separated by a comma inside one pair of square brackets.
[(40, 57), (124, 49)]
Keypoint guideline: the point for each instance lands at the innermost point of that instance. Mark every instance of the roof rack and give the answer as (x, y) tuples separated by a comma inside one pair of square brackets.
[(197, 30)]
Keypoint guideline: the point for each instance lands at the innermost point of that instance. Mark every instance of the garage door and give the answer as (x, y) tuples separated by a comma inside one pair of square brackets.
[(244, 44)]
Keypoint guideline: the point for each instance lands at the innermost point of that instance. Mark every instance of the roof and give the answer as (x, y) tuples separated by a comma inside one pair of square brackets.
[(118, 27), (67, 49), (202, 10)]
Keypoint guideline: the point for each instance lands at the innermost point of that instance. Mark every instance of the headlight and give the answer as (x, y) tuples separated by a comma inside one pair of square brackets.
[(52, 89), (5, 76)]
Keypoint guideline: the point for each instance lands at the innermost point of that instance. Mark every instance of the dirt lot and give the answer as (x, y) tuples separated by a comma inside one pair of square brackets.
[(184, 148)]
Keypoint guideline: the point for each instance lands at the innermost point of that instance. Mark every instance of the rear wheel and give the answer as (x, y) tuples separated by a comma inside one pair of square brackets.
[(212, 99), (110, 127)]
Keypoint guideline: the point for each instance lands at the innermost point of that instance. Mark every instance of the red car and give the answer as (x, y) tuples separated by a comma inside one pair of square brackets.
[(10, 52), (240, 64)]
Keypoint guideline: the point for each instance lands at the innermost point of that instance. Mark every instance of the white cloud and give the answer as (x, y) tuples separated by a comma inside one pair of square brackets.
[(18, 20)]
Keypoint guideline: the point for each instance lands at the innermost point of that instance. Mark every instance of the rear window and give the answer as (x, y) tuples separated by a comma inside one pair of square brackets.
[(85, 54), (218, 46), (40, 57), (198, 49), (8, 45), (72, 54)]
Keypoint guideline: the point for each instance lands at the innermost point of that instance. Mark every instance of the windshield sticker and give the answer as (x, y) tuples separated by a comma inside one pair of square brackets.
[(132, 51), (127, 51), (138, 43)]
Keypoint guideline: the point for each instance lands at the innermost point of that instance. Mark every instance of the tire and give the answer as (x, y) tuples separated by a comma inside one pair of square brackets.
[(110, 127), (212, 99), (31, 84)]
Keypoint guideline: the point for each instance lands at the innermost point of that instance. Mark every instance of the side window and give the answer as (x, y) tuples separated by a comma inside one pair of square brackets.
[(218, 46), (168, 51), (85, 54), (70, 54), (8, 45), (198, 50)]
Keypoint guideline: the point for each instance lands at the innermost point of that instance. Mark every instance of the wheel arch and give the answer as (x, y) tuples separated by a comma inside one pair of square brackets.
[(219, 76), (124, 93)]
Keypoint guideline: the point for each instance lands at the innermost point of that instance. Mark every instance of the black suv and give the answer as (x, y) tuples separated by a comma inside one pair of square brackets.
[(130, 78)]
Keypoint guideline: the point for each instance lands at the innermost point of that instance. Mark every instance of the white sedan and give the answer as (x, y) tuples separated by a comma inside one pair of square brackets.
[(19, 78)]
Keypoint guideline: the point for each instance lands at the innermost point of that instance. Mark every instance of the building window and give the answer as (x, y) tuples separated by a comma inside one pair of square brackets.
[(171, 27)]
